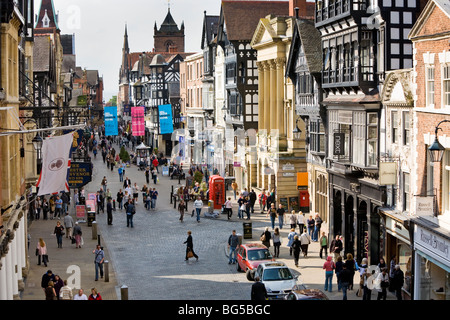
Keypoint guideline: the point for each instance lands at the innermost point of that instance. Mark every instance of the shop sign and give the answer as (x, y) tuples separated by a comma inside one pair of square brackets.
[(80, 174), (339, 144), (288, 167), (424, 206), (288, 174), (388, 173), (432, 242)]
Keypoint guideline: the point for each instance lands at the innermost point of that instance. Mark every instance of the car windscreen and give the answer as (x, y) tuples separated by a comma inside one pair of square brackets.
[(262, 254), (276, 274)]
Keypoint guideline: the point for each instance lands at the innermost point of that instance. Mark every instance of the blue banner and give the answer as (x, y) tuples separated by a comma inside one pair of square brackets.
[(165, 119), (111, 124)]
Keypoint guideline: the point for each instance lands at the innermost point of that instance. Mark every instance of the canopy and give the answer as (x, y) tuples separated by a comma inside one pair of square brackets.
[(142, 146)]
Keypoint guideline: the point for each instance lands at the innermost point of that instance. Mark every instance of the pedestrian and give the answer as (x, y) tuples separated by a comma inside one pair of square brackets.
[(45, 208), (77, 234), (154, 197), (37, 204), (252, 199), (181, 208), (154, 175), (265, 237), (276, 239), (301, 222), (317, 225), (120, 198), (310, 224), (147, 175), (273, 215), (52, 207), (293, 219), (189, 247), (392, 264), (109, 211), (46, 277), (329, 266), (381, 265), (247, 204), (135, 193), (351, 267), (398, 280), (365, 279), (126, 183), (95, 295), (305, 240), (98, 260), (296, 248), (336, 247), (259, 292), (59, 232), (241, 206), (130, 211), (291, 236), (68, 223), (198, 205), (229, 208), (41, 252), (80, 295), (50, 293), (382, 284), (338, 269), (346, 277), (233, 244), (104, 183), (58, 284), (262, 200), (234, 186), (58, 207), (323, 241), (66, 292), (280, 213)]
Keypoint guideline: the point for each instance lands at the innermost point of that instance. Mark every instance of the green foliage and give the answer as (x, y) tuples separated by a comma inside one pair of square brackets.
[(124, 155), (198, 177)]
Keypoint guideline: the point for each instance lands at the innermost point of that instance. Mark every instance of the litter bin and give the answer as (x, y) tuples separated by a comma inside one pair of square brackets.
[(210, 206), (247, 230)]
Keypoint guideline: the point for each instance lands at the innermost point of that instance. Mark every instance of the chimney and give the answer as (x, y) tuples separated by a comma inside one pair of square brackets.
[(300, 4)]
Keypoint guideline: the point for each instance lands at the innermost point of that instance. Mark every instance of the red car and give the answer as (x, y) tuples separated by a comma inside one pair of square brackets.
[(249, 256)]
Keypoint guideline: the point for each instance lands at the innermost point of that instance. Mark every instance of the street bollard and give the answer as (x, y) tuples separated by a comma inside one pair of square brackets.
[(106, 270), (174, 201), (94, 230), (98, 240), (124, 292)]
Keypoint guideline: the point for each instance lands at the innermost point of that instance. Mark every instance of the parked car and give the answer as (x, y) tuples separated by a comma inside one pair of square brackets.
[(249, 256), (277, 278), (306, 294)]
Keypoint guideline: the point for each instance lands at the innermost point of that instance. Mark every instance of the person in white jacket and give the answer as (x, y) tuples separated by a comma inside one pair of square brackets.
[(305, 240), (198, 205)]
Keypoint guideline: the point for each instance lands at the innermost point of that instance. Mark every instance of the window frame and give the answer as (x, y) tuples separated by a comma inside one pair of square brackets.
[(429, 95)]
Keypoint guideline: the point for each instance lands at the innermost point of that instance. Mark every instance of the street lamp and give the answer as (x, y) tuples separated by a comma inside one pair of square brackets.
[(37, 144), (436, 150), (297, 133)]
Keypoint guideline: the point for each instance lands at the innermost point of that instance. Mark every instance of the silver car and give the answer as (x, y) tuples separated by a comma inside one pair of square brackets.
[(277, 278)]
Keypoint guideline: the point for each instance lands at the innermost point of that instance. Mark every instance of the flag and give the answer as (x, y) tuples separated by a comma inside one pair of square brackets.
[(138, 121), (55, 161)]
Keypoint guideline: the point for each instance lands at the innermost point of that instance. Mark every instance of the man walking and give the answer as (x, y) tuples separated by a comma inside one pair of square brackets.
[(109, 210), (131, 210), (154, 195), (280, 213), (336, 247), (68, 223), (233, 244), (259, 291), (198, 205), (99, 259)]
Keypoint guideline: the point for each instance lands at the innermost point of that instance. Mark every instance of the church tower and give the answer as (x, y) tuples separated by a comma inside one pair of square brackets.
[(47, 19), (169, 38), (125, 67)]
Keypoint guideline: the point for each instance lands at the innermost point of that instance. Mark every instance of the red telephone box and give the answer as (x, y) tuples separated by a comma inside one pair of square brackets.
[(217, 191), (304, 201)]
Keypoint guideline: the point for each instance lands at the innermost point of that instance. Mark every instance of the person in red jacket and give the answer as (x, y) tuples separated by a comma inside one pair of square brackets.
[(329, 266), (95, 295)]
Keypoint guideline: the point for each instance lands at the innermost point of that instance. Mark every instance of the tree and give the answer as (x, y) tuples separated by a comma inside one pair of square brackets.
[(124, 155)]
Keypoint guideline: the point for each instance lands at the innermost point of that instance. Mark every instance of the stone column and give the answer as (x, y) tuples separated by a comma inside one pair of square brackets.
[(260, 95), (273, 93), (266, 95), (282, 142)]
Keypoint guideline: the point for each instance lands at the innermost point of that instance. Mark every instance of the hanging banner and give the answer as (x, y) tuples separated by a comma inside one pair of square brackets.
[(55, 162), (165, 119), (138, 121), (111, 123)]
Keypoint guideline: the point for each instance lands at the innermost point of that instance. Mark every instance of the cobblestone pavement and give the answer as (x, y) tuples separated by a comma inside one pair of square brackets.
[(149, 258)]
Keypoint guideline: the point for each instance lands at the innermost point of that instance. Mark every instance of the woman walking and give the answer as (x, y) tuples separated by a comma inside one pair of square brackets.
[(276, 238), (59, 232), (329, 267), (350, 264), (265, 237), (41, 252), (296, 248), (189, 247), (181, 208), (77, 235)]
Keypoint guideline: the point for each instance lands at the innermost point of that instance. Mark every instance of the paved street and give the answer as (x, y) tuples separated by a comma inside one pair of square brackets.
[(149, 258)]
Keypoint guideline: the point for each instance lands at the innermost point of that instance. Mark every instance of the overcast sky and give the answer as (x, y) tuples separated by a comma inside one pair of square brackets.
[(99, 27)]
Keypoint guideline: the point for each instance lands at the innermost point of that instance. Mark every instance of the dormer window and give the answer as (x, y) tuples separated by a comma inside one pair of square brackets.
[(46, 20)]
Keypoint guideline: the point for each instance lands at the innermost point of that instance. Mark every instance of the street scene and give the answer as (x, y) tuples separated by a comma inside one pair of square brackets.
[(247, 150)]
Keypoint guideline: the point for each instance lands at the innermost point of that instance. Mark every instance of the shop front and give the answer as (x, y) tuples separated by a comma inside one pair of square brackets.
[(431, 260), (395, 245)]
